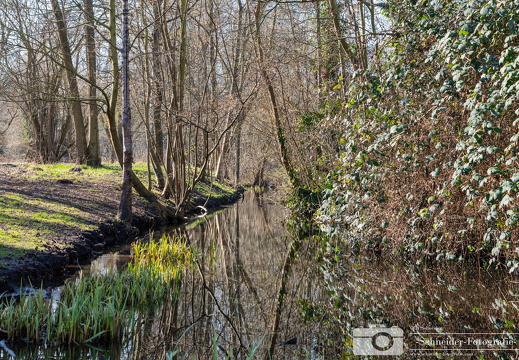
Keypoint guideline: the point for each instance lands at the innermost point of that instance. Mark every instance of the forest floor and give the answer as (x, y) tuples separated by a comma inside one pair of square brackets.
[(55, 216)]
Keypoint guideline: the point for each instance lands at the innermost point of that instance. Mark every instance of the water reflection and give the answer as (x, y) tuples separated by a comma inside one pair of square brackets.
[(442, 307), (243, 292), (261, 280), (244, 295)]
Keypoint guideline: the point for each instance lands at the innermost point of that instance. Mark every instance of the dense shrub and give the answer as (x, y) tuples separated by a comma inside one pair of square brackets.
[(430, 162)]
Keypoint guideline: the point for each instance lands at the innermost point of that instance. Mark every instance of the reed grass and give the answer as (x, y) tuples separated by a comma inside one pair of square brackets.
[(97, 308)]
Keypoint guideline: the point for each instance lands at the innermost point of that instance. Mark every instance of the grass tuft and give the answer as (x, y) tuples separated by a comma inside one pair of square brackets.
[(100, 308)]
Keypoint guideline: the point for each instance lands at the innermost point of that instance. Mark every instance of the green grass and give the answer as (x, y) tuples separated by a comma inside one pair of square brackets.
[(62, 171), (101, 308), (218, 190), (28, 220)]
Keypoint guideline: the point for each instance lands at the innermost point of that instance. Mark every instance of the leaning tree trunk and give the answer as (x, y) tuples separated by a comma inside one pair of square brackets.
[(283, 149), (334, 10)]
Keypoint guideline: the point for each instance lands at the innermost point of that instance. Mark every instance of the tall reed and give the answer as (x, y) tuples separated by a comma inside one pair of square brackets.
[(95, 308)]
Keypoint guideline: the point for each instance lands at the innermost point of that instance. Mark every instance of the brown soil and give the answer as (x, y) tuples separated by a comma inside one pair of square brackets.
[(98, 202)]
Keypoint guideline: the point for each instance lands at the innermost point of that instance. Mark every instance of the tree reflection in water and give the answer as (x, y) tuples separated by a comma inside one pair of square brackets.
[(440, 301), (251, 280), (247, 288), (256, 282)]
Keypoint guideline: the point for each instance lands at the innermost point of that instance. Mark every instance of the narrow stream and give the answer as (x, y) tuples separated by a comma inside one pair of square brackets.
[(229, 299), (261, 281)]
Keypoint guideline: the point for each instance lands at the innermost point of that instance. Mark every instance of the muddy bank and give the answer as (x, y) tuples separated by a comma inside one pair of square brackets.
[(58, 258), (52, 264)]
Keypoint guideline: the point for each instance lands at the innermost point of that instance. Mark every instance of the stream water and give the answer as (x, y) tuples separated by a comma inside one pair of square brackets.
[(262, 280)]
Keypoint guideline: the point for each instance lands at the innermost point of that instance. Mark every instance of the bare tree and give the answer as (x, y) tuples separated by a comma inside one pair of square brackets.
[(94, 157), (79, 127), (125, 206), (276, 113)]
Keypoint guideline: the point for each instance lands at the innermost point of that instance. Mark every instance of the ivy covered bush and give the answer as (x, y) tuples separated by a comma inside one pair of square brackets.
[(430, 134)]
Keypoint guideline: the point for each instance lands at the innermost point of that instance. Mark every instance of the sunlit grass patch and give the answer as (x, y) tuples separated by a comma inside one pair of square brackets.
[(215, 190), (108, 174), (159, 255), (101, 307), (55, 172), (26, 220), (31, 214)]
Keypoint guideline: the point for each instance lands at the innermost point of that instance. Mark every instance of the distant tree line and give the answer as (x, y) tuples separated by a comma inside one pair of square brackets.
[(234, 90)]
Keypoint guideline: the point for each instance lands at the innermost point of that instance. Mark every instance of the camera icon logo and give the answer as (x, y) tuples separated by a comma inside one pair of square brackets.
[(378, 341)]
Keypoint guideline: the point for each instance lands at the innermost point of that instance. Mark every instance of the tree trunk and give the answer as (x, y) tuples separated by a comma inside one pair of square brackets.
[(33, 108), (179, 161), (157, 149), (112, 126), (238, 153), (94, 158), (285, 159), (373, 26), (125, 206), (112, 104), (319, 50), (221, 170), (179, 167), (81, 144), (258, 178), (332, 4), (167, 192)]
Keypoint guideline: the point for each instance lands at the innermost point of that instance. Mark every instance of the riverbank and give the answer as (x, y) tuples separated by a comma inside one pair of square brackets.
[(53, 217)]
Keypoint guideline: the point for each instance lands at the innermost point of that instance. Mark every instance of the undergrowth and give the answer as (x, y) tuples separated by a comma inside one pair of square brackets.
[(430, 163)]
